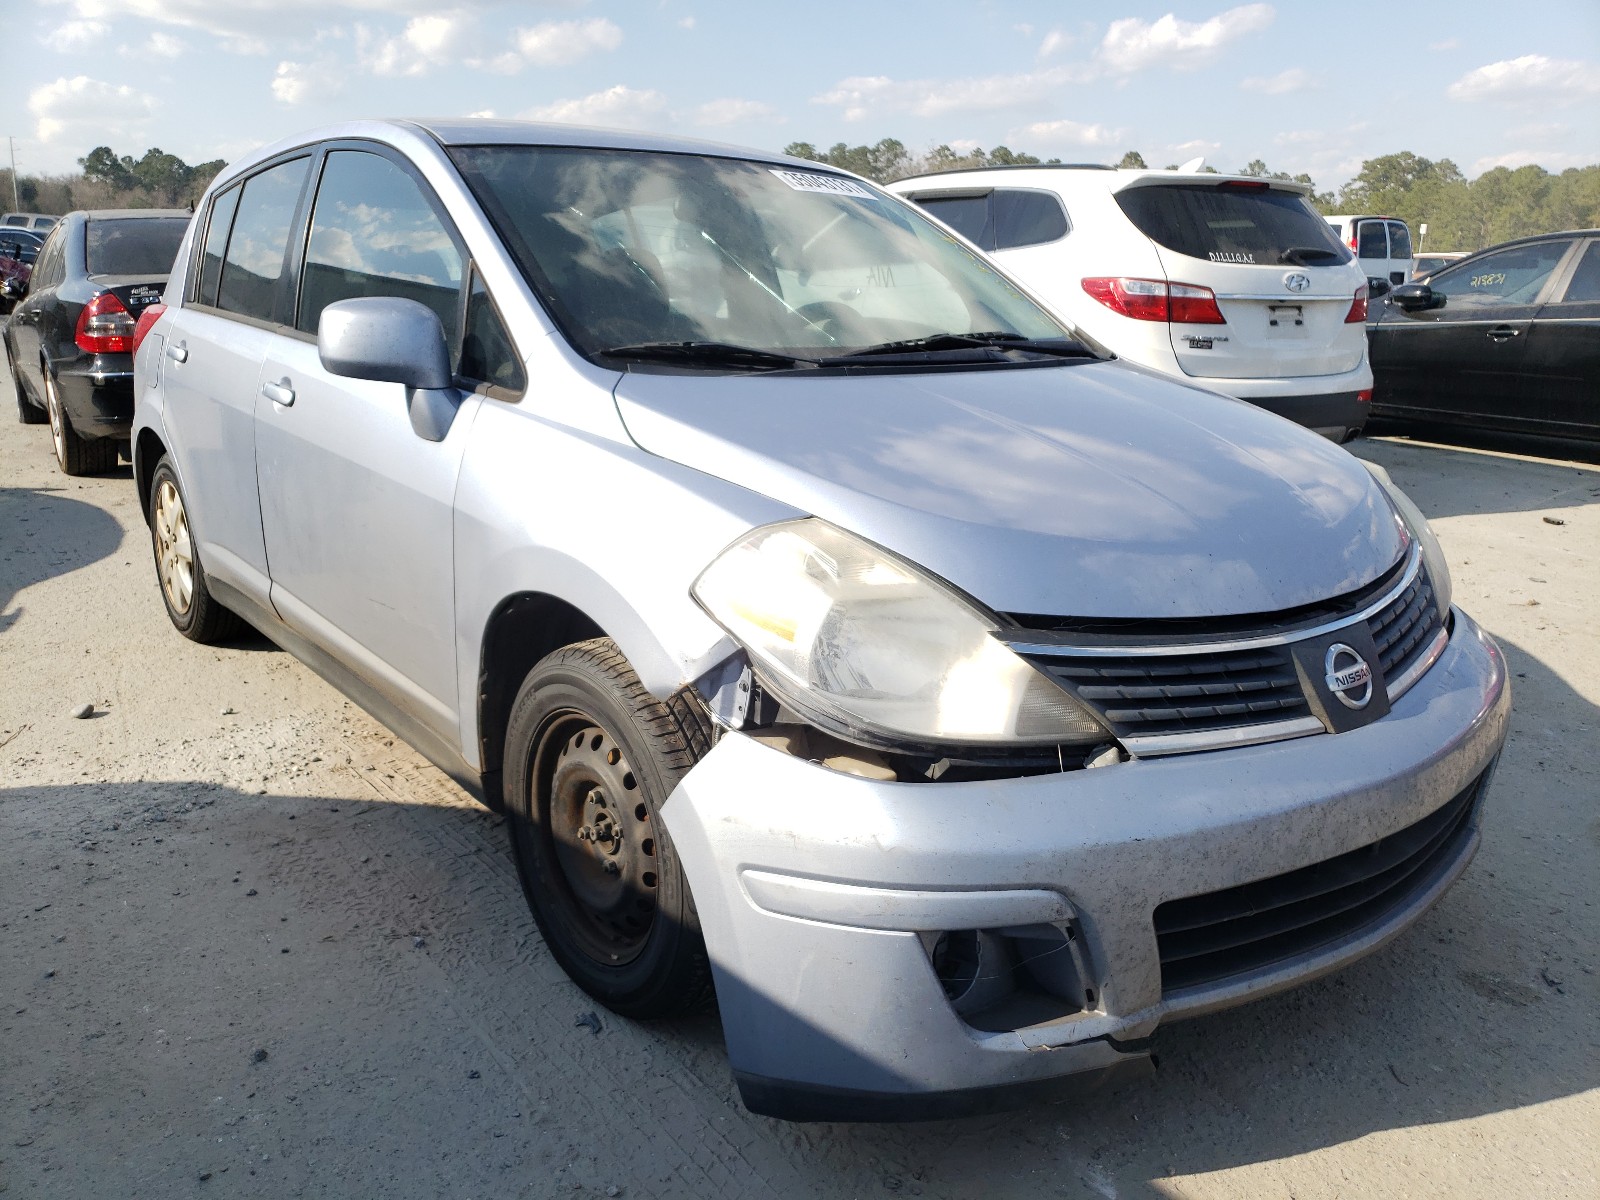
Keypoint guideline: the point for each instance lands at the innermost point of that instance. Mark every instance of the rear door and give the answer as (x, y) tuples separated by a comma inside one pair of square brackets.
[(1282, 280), (1463, 360), (1561, 372)]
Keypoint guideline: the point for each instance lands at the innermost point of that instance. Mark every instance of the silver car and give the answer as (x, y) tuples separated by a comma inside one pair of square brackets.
[(840, 636)]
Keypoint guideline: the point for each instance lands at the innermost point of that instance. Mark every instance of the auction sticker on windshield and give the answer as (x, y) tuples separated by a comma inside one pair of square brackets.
[(800, 181)]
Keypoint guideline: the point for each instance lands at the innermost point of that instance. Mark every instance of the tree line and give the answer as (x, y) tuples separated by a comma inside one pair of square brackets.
[(108, 180), (1461, 214)]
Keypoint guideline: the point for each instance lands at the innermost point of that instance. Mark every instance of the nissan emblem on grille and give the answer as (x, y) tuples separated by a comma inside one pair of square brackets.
[(1348, 676), (1296, 282)]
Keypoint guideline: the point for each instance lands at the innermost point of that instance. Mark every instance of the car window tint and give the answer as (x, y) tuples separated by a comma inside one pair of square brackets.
[(1371, 240), (487, 354), (373, 233), (50, 268), (1399, 240), (1027, 218), (222, 209), (1585, 285), (967, 215), (134, 246), (1232, 224), (1510, 276), (254, 264)]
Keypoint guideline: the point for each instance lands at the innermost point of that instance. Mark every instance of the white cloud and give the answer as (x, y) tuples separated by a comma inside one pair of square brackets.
[(75, 35), (685, 22), (561, 43), (424, 43), (1195, 146), (1295, 79), (482, 112), (1049, 134), (1533, 78), (90, 110), (298, 83), (731, 111), (1053, 41), (619, 105), (1299, 137), (252, 20), (875, 95), (157, 45), (1447, 44), (1132, 44), (1550, 160)]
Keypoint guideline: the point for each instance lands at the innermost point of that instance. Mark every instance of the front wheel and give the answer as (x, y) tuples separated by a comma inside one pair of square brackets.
[(590, 758)]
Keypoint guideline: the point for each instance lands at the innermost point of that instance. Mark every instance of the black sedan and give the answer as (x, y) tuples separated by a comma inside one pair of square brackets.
[(70, 338), (18, 249), (1506, 339)]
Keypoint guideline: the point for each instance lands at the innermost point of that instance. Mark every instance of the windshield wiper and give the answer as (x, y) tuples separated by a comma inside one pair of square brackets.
[(721, 354), (1308, 256), (989, 340)]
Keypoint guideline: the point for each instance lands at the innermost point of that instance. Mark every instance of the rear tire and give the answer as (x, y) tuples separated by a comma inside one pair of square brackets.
[(27, 412), (590, 758), (75, 455), (194, 611)]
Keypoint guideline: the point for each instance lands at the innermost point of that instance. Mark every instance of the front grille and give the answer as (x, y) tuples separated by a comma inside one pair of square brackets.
[(1213, 937), (1406, 627), (1188, 693)]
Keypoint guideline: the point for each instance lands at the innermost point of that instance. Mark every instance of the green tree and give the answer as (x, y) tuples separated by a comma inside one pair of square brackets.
[(101, 165), (1132, 160)]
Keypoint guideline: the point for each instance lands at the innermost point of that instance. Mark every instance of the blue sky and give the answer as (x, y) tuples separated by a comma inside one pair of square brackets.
[(1305, 87)]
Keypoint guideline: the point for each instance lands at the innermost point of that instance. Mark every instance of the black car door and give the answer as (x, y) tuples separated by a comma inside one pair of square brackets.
[(25, 331), (1562, 369), (1462, 359)]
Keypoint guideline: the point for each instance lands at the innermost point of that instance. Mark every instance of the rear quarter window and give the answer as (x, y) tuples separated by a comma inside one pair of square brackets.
[(1233, 224), (134, 246)]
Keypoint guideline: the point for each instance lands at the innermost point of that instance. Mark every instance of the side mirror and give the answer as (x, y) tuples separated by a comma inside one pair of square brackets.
[(12, 288), (390, 340), (1415, 297), (1378, 287)]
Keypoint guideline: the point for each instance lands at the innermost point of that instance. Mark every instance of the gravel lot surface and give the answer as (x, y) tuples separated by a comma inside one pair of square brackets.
[(252, 945)]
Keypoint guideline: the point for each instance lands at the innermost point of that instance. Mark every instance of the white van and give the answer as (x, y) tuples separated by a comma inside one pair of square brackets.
[(1228, 282), (1381, 244)]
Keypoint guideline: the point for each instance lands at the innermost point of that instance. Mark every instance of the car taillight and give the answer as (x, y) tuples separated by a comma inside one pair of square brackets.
[(1364, 396), (147, 318), (1358, 307), (1153, 300), (104, 326)]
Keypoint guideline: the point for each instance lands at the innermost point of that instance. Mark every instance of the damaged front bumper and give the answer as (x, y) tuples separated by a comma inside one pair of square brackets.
[(1104, 900)]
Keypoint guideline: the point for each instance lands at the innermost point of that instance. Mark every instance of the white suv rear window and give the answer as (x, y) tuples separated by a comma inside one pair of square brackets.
[(1233, 223)]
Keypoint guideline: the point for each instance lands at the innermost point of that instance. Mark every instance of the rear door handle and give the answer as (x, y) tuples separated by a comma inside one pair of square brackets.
[(279, 393), (178, 353), (1501, 332)]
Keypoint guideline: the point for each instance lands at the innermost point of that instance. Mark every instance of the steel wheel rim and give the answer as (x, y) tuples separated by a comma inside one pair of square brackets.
[(600, 839), (58, 423), (174, 547)]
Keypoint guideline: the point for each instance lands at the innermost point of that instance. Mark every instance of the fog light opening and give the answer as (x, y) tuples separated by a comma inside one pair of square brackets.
[(975, 967)]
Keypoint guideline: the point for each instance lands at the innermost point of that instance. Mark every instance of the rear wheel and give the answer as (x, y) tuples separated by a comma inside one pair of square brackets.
[(76, 455), (590, 758), (194, 611)]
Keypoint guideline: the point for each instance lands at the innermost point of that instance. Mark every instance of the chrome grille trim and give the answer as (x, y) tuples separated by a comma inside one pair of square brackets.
[(1402, 684), (1218, 739)]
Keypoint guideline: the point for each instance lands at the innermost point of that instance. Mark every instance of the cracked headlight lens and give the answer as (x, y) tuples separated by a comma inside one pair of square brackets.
[(861, 642)]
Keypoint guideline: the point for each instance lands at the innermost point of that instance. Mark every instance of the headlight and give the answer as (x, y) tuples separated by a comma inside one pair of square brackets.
[(1417, 525), (860, 642)]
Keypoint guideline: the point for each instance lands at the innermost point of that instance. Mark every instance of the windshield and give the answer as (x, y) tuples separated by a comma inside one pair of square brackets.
[(637, 249), (134, 245), (1234, 222)]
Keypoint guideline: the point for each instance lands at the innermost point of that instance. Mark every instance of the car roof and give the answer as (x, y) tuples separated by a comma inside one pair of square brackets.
[(1113, 179), (127, 214)]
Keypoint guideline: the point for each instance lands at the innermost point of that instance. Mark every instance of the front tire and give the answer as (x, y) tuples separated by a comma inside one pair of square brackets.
[(194, 611), (75, 455), (590, 758)]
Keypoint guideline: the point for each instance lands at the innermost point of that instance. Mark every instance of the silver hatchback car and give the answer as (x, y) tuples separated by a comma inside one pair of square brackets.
[(841, 637)]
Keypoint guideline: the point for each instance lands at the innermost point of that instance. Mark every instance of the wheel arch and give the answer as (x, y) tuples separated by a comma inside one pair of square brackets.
[(148, 449)]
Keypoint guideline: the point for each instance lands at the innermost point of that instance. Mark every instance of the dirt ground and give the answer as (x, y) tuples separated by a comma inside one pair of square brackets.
[(251, 945)]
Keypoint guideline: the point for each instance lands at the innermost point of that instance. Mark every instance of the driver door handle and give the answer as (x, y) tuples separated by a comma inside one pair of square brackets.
[(178, 353), (1501, 332), (279, 393)]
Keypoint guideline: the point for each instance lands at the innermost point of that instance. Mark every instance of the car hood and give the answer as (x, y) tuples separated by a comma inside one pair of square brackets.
[(1091, 489)]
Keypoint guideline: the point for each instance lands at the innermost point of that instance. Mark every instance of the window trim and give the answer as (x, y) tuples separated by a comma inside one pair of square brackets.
[(297, 220)]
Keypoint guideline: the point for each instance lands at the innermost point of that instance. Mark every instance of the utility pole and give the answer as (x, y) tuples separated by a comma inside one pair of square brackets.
[(16, 196)]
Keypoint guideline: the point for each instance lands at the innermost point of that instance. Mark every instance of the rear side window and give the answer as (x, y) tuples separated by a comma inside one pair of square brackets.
[(373, 233), (253, 267), (1002, 219), (134, 246), (1399, 240), (1233, 224), (967, 215), (51, 268), (222, 210), (1371, 240), (1512, 276), (1585, 285)]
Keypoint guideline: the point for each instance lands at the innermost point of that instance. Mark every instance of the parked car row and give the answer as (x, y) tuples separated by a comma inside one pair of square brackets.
[(841, 634)]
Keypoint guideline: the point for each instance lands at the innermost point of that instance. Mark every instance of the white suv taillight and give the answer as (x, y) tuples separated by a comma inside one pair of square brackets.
[(1358, 307), (1156, 300), (104, 326)]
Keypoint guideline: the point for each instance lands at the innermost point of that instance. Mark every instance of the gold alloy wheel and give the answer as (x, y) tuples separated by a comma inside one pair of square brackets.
[(174, 550)]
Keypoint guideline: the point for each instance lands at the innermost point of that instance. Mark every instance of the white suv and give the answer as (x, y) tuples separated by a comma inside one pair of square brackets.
[(1229, 282)]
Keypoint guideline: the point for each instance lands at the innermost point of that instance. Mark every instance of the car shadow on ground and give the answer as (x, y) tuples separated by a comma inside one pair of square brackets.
[(1474, 1011), (46, 534), (1449, 481)]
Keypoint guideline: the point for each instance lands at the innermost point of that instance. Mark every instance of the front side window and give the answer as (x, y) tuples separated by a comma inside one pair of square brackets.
[(486, 350), (1233, 222), (253, 267), (373, 233), (1512, 276), (134, 245), (635, 247)]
